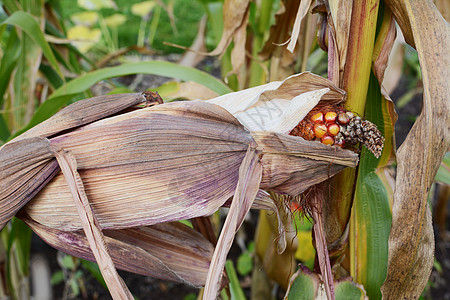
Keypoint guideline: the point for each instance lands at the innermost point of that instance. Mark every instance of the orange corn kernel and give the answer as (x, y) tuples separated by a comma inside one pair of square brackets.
[(333, 129), (330, 117), (320, 130), (327, 140), (317, 118)]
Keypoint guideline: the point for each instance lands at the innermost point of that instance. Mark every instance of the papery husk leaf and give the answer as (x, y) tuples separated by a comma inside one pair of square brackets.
[(250, 174), (411, 242), (83, 112), (173, 161), (287, 89), (91, 227), (26, 166), (168, 251), (305, 163), (279, 115)]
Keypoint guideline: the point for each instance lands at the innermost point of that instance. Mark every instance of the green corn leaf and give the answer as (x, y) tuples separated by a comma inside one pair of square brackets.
[(4, 130), (8, 62), (371, 215), (94, 270), (235, 288), (443, 174), (29, 25), (348, 290), (65, 93), (305, 285), (20, 241)]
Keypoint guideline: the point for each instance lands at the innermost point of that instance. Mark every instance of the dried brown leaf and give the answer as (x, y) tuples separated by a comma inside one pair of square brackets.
[(194, 57), (239, 52), (301, 13), (250, 173), (383, 45), (83, 112), (341, 12), (168, 251), (400, 11), (91, 227), (280, 31), (234, 14), (301, 169), (411, 242), (25, 167)]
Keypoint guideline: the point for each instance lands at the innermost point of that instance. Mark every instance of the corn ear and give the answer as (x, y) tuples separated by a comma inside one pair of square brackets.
[(176, 161), (160, 164)]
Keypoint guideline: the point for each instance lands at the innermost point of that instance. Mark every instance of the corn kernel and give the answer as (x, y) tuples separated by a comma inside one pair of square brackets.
[(327, 140), (317, 118), (320, 130), (330, 117), (333, 129), (343, 119)]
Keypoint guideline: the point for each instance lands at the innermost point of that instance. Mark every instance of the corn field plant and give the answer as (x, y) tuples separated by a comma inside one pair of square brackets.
[(71, 177)]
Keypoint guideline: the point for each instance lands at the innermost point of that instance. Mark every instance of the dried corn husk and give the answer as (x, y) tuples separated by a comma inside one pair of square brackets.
[(168, 251), (164, 163)]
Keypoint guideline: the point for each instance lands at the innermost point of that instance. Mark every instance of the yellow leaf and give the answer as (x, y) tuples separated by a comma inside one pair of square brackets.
[(87, 18), (143, 8), (83, 37), (115, 20), (305, 251)]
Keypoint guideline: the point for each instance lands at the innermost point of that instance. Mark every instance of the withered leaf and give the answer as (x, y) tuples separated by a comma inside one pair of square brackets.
[(168, 251)]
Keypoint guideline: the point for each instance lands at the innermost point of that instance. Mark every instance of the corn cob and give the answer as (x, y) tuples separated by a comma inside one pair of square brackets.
[(340, 127)]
